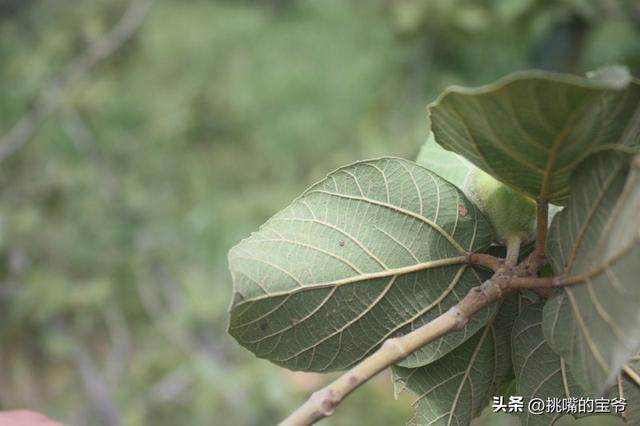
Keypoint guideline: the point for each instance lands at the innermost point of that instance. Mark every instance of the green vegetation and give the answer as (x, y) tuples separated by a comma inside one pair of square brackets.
[(386, 264), (117, 213)]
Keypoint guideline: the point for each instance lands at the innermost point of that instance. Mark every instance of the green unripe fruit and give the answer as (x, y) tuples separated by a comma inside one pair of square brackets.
[(512, 214)]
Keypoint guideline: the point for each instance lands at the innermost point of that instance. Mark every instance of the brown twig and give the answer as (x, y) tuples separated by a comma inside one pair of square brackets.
[(323, 402), (542, 221), (534, 282), (548, 282)]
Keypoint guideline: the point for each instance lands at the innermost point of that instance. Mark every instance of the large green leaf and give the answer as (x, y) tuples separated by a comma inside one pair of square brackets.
[(531, 129), (541, 373), (455, 389), (358, 258), (446, 164), (595, 325)]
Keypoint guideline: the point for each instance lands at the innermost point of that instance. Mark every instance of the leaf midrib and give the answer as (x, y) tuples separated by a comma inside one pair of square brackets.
[(454, 282), (359, 278), (578, 240), (553, 152)]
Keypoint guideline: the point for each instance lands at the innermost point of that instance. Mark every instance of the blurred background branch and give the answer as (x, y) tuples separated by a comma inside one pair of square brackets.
[(98, 51)]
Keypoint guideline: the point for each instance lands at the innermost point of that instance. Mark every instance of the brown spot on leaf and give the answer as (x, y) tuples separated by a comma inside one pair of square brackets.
[(264, 326), (463, 211), (294, 321), (341, 243), (353, 380)]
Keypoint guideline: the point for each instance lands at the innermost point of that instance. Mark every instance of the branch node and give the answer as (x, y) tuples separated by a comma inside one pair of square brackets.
[(469, 257), (531, 265), (460, 317), (326, 401), (497, 284), (394, 345)]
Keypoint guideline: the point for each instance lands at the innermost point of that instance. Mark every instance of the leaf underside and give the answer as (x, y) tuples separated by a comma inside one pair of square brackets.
[(541, 373), (455, 389), (377, 249), (350, 263), (530, 130), (595, 325)]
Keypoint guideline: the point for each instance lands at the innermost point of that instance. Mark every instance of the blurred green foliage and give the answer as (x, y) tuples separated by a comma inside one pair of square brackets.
[(115, 217)]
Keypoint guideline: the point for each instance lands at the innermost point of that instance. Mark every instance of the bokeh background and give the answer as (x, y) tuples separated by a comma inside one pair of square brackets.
[(140, 140)]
